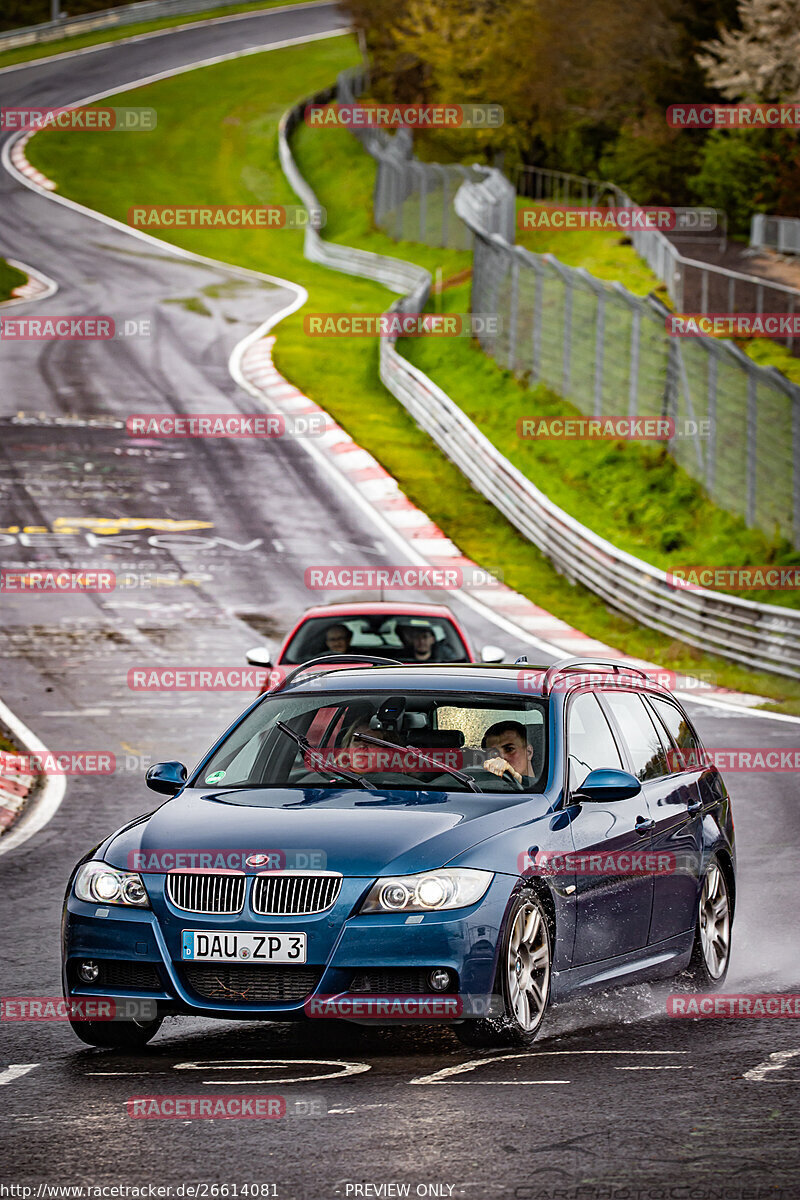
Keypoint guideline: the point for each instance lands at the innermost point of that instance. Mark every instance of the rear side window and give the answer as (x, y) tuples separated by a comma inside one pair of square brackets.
[(647, 751), (681, 733), (590, 742)]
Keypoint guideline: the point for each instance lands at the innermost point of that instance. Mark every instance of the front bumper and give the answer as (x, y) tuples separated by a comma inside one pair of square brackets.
[(341, 945)]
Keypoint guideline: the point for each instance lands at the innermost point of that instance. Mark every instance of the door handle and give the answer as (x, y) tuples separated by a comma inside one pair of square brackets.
[(644, 825), (694, 806)]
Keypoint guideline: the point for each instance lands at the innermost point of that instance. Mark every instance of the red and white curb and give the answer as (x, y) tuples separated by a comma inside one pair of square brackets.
[(36, 287), (382, 492), (26, 803), (20, 161)]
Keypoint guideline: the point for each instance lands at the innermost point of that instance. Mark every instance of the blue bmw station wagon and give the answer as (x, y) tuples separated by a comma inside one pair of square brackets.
[(500, 838)]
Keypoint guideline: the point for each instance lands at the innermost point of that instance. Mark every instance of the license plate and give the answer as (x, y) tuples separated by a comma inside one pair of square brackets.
[(217, 945)]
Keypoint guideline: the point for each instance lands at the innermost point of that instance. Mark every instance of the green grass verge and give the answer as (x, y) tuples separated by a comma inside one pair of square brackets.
[(237, 105), (10, 278), (112, 33)]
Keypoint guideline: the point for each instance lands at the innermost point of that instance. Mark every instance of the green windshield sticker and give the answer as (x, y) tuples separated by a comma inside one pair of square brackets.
[(215, 776)]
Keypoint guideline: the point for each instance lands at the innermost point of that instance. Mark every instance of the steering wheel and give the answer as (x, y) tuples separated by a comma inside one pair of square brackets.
[(507, 777)]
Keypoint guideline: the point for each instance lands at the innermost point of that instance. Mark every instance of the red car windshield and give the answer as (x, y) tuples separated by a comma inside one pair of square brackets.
[(409, 639)]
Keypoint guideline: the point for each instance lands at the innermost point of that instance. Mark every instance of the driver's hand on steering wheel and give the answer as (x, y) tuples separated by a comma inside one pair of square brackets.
[(499, 766)]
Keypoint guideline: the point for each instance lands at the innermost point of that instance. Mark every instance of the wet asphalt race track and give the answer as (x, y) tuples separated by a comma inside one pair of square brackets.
[(614, 1096)]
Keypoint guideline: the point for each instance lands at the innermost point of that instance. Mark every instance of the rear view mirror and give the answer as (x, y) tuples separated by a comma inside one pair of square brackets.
[(260, 656), (167, 777), (493, 654), (608, 784)]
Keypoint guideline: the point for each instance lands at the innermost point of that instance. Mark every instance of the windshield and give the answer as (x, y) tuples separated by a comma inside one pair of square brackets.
[(451, 742), (408, 639)]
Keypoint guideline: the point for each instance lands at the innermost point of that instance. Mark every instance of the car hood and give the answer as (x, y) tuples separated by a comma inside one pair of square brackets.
[(357, 832)]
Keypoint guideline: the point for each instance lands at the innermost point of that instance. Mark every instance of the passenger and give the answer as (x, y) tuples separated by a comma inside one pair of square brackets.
[(420, 645), (364, 758), (514, 751), (338, 639)]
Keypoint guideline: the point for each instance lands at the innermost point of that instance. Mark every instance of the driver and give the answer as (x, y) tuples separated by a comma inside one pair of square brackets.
[(514, 752), (338, 639)]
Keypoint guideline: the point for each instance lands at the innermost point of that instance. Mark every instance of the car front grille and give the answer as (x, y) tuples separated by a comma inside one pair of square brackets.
[(390, 981), (284, 893), (240, 984), (206, 891)]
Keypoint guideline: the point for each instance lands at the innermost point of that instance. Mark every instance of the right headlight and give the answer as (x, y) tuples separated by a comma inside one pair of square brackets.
[(451, 887), (100, 883)]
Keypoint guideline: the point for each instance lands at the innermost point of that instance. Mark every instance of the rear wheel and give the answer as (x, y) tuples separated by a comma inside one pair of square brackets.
[(523, 979), (126, 1035), (708, 965)]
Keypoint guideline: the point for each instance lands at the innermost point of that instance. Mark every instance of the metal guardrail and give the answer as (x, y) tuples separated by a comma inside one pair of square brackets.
[(761, 636), (128, 14), (775, 233)]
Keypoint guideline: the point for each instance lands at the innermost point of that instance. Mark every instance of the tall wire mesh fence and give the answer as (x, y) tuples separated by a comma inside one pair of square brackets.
[(604, 349)]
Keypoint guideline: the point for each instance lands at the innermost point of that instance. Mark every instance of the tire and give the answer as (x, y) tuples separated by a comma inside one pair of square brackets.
[(125, 1035), (526, 954), (711, 952)]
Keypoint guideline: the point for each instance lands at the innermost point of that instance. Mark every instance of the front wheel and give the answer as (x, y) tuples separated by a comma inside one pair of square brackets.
[(124, 1035), (711, 953), (523, 979)]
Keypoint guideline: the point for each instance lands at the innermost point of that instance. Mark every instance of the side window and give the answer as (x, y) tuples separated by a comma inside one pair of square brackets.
[(681, 732), (643, 740), (590, 742)]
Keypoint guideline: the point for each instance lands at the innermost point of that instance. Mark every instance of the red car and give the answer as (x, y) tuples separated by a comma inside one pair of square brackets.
[(411, 633)]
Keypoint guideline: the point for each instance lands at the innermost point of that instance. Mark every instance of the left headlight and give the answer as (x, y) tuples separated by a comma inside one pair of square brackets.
[(100, 883), (456, 887)]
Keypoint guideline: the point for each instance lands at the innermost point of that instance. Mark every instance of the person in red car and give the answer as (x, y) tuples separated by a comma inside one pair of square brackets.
[(338, 639), (419, 640)]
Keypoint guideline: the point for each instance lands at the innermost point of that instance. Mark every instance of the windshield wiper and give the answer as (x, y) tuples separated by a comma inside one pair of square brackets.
[(425, 758), (332, 776)]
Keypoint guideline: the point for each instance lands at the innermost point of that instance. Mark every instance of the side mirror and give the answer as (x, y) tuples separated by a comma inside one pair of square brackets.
[(167, 777), (259, 656), (493, 654), (608, 784)]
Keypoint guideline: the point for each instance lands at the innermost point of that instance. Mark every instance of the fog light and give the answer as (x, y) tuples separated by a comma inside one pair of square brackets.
[(89, 971), (439, 980)]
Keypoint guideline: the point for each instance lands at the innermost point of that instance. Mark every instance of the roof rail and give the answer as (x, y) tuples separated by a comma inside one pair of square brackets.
[(372, 659), (567, 664)]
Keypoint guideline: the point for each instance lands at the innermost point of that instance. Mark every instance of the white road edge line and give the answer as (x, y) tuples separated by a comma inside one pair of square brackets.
[(16, 1072), (43, 804), (775, 1062), (154, 33)]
